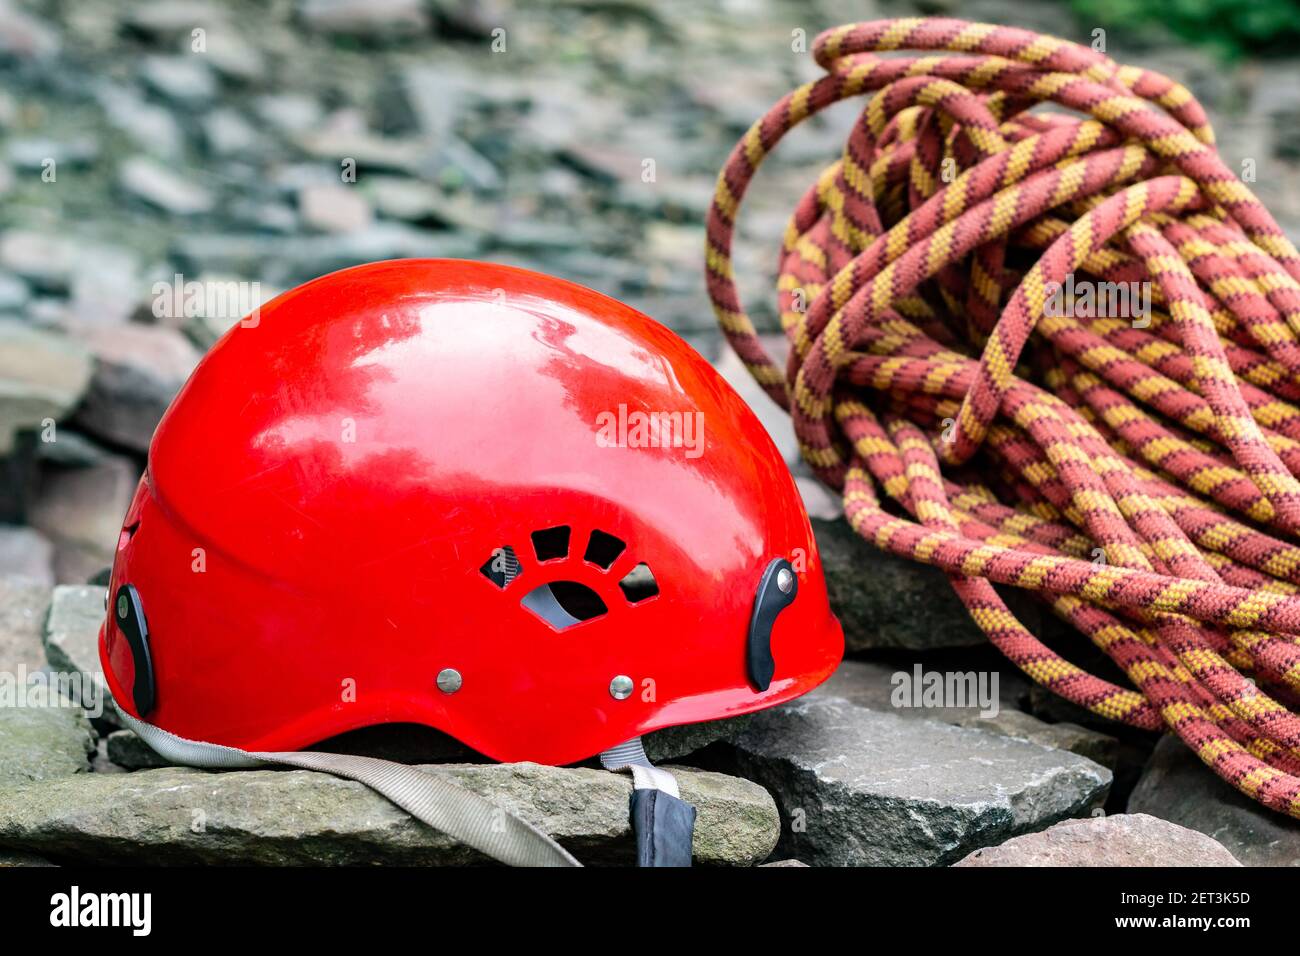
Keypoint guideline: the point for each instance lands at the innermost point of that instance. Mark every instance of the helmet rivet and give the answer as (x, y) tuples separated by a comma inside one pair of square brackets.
[(620, 688), (784, 580), (449, 680), (122, 606)]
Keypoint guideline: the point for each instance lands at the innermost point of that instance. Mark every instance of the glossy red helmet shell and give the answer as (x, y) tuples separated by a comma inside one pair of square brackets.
[(309, 540)]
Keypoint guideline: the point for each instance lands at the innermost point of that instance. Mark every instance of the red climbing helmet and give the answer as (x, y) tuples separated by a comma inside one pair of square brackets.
[(466, 496)]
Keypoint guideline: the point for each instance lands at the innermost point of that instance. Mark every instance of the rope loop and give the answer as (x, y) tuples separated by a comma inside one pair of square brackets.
[(1064, 344)]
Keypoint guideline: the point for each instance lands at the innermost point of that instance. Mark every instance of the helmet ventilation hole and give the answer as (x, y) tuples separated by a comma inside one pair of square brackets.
[(639, 584), (502, 567), (562, 604), (603, 549), (551, 543)]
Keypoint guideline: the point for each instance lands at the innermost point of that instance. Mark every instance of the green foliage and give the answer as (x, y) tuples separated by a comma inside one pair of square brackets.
[(1235, 27)]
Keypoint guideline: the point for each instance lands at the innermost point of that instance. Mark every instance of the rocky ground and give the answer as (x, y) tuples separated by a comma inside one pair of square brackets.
[(583, 141)]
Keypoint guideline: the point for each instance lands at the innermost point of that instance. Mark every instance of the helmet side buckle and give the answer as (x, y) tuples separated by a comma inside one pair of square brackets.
[(777, 589)]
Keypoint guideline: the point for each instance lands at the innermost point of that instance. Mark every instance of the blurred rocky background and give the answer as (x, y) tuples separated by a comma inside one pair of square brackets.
[(250, 146)]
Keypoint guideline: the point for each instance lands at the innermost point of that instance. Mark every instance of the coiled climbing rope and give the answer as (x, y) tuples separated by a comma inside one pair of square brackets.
[(1137, 472)]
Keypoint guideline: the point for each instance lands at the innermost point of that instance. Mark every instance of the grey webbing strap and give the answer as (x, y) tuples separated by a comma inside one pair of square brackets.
[(445, 806), (630, 755), (430, 798), (663, 823)]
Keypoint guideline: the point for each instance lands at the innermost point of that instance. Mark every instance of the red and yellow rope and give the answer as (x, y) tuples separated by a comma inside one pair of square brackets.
[(1140, 476)]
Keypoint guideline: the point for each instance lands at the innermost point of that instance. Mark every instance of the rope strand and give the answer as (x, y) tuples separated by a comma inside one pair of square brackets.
[(1141, 476)]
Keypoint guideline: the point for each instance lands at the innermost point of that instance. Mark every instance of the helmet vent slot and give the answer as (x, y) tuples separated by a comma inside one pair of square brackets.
[(127, 533), (562, 604), (603, 549), (502, 567), (639, 584), (550, 543)]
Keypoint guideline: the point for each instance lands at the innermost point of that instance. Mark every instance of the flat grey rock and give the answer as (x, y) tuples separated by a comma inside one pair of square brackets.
[(70, 449), (25, 37), (860, 787), (334, 208), (226, 133), (138, 371), (83, 506), (32, 154), (23, 607), (367, 19), (1177, 787), (301, 257), (289, 112), (185, 79), (14, 292), (72, 638), (1126, 839), (162, 187), (127, 750), (673, 743), (149, 126), (42, 377), (171, 19), (272, 817), (42, 742)]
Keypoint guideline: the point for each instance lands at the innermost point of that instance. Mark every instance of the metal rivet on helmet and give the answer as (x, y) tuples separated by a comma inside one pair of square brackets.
[(620, 688), (449, 680)]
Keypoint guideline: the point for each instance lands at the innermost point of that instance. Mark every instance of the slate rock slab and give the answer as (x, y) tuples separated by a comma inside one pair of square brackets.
[(860, 787), (82, 507), (1125, 839), (23, 607), (42, 377), (43, 735), (42, 743), (127, 750), (138, 371), (673, 743), (1177, 787), (72, 639), (276, 817), (27, 554)]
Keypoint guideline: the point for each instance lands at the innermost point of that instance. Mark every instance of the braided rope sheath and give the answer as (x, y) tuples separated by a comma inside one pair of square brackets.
[(1139, 475)]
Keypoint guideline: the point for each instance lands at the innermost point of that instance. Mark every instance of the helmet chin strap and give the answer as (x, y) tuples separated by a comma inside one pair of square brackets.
[(664, 823), (429, 797), (443, 805)]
